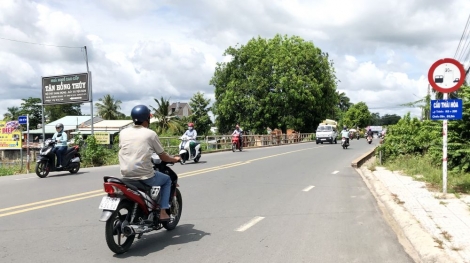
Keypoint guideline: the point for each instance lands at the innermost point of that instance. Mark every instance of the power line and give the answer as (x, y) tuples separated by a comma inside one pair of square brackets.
[(33, 43), (461, 38)]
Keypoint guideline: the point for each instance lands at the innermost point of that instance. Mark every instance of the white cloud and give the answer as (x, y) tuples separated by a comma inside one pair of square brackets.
[(151, 48)]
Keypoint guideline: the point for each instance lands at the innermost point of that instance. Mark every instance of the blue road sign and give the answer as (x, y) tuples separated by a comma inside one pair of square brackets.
[(23, 119), (446, 110)]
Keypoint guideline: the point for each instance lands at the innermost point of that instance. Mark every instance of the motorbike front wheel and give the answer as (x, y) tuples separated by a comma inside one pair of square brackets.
[(113, 229), (234, 147), (42, 170)]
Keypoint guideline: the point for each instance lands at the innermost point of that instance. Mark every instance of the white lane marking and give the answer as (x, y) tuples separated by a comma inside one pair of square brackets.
[(308, 188), (250, 223), (24, 178), (335, 172)]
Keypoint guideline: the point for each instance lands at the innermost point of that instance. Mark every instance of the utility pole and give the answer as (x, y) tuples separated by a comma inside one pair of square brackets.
[(90, 90)]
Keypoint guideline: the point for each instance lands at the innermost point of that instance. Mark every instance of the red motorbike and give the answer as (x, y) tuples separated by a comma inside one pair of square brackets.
[(132, 208), (236, 145)]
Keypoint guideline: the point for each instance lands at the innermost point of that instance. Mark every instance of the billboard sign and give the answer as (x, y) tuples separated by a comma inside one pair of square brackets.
[(10, 135), (65, 89)]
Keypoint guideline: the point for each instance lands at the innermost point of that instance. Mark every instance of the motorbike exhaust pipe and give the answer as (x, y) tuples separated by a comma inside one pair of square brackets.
[(133, 230)]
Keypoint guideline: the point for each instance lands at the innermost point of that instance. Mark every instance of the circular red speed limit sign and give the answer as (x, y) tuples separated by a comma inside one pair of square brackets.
[(446, 75)]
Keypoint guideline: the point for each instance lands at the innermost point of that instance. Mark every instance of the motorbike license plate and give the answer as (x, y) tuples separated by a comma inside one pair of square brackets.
[(109, 203)]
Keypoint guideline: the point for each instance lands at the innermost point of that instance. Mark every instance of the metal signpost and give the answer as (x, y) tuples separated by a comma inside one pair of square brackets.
[(25, 120), (446, 75)]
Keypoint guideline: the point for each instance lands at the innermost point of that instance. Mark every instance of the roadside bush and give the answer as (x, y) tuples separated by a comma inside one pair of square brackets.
[(94, 154), (411, 136)]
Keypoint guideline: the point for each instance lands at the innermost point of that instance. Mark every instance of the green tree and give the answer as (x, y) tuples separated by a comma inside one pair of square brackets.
[(389, 119), (375, 119), (109, 108), (12, 114), (55, 112), (32, 107), (200, 113), (344, 102), (357, 115), (278, 83), (459, 135), (167, 121)]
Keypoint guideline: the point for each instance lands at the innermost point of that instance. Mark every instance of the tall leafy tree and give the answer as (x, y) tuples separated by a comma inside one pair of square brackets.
[(200, 113), (12, 114), (55, 112), (389, 119), (344, 102), (357, 115), (167, 121), (109, 108), (283, 82), (32, 107)]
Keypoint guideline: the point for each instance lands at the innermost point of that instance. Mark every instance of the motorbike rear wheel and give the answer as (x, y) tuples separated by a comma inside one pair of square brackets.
[(175, 210), (42, 170), (113, 228), (75, 170)]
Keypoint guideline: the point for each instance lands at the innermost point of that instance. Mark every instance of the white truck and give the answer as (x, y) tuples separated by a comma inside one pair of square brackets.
[(327, 131)]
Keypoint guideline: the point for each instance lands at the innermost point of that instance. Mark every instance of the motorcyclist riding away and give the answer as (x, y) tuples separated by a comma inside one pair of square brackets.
[(370, 133), (136, 146), (192, 134)]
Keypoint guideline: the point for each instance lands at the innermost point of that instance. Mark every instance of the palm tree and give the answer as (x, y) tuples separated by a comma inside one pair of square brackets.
[(12, 114), (109, 108), (166, 121), (344, 102)]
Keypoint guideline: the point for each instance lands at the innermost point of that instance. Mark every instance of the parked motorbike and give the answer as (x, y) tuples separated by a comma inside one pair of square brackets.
[(185, 150), (140, 203), (236, 143), (369, 139), (46, 159), (345, 142)]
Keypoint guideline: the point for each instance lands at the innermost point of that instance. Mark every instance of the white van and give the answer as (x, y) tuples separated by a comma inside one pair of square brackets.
[(326, 133)]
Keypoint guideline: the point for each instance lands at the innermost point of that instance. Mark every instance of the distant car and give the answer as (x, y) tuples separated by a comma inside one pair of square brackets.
[(456, 80)]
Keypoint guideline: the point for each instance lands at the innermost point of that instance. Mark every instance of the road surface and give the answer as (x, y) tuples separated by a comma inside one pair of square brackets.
[(295, 203)]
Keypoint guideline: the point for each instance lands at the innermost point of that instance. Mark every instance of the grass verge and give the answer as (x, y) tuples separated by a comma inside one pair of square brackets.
[(422, 168)]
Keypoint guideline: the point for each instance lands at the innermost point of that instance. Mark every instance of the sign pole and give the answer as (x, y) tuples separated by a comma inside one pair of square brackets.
[(27, 144), (444, 152)]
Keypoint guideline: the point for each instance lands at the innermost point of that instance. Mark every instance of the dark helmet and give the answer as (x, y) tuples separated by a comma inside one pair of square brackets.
[(140, 113), (344, 127), (59, 126)]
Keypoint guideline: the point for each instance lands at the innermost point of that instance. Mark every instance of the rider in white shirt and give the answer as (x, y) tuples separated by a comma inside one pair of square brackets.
[(192, 134)]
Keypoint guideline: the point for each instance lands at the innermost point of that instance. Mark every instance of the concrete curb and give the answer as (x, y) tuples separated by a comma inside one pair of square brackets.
[(417, 242), (359, 161)]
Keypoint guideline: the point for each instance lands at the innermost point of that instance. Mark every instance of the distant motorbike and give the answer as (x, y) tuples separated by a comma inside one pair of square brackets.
[(46, 160), (345, 142), (369, 139), (357, 135), (132, 208), (185, 150), (236, 143)]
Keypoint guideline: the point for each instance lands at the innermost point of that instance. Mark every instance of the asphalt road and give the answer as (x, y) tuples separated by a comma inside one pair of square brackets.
[(295, 203)]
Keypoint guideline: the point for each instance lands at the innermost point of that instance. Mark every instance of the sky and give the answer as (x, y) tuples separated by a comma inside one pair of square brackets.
[(143, 49)]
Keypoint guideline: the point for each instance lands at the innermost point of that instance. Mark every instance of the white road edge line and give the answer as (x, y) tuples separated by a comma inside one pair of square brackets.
[(335, 172), (24, 178), (250, 223), (308, 188)]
